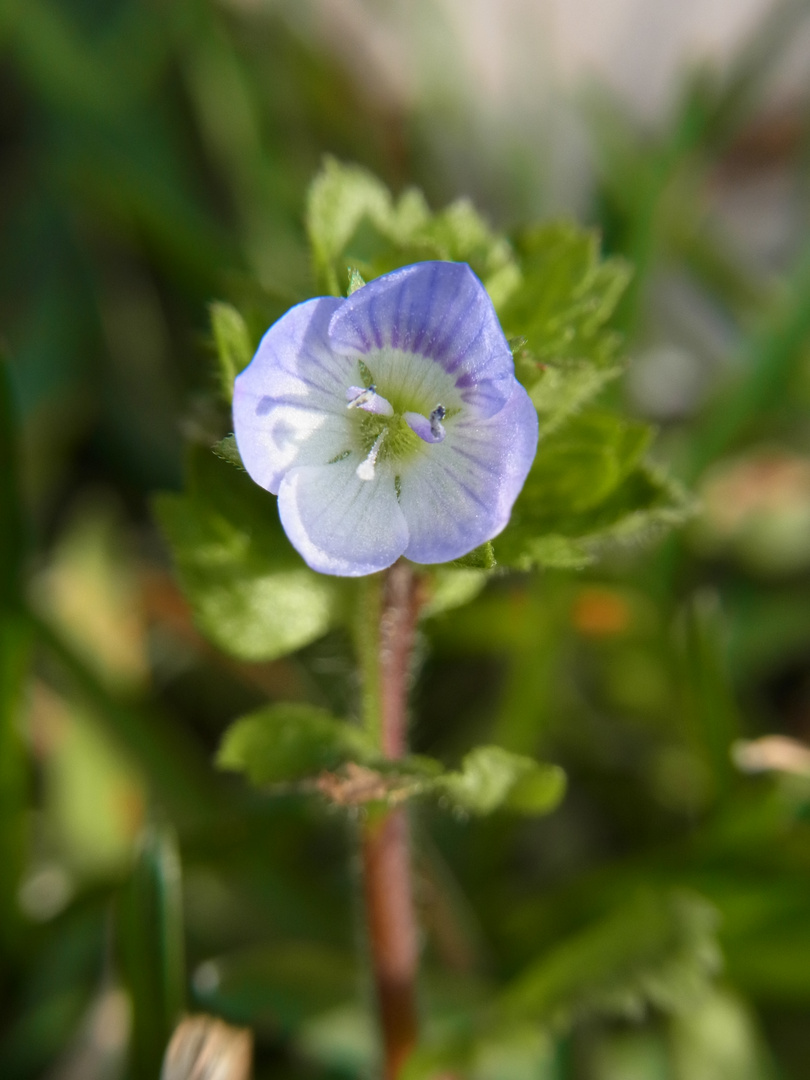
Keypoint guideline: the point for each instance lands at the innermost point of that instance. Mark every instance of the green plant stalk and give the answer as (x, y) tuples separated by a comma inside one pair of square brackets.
[(385, 637)]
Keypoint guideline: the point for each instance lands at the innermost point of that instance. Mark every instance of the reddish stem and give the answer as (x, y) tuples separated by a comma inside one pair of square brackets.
[(386, 857)]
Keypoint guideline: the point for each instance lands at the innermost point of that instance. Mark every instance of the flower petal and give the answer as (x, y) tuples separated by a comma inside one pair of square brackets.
[(339, 523), (289, 404), (438, 310), (460, 493)]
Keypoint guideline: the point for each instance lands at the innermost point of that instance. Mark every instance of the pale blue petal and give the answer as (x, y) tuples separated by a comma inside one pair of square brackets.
[(460, 492), (289, 404), (339, 523), (439, 310)]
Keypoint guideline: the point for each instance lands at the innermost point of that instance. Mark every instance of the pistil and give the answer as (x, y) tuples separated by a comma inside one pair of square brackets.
[(365, 470)]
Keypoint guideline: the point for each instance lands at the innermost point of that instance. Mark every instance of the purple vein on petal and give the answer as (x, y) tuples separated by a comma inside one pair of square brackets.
[(397, 320), (428, 313), (443, 348), (474, 496), (372, 321)]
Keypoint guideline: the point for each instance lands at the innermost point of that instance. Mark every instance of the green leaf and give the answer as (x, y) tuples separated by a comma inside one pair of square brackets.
[(12, 532), (656, 950), (250, 592), (339, 198), (558, 316), (719, 1038), (234, 346), (485, 1050), (342, 1040), (561, 390), (150, 947), (452, 588), (15, 659), (492, 779), (290, 742), (707, 697), (353, 220), (566, 296), (15, 656), (554, 552), (282, 984), (588, 486)]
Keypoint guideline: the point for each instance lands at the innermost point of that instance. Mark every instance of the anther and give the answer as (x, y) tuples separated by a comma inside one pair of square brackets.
[(436, 426), (367, 399), (429, 428)]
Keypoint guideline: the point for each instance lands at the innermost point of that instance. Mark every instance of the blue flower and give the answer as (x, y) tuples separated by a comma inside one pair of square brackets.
[(389, 423)]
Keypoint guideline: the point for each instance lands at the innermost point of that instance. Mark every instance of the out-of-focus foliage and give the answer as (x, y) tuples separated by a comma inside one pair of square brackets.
[(656, 924), (251, 592)]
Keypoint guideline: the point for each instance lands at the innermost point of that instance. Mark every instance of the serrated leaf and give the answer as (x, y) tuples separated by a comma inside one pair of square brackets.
[(352, 219), (554, 552), (656, 950), (227, 450), (560, 311), (339, 198), (587, 487), (290, 742), (562, 391), (233, 343), (575, 469), (491, 779), (250, 592), (484, 1050), (566, 295)]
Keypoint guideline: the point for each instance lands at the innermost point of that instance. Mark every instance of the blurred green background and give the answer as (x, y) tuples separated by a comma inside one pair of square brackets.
[(156, 157)]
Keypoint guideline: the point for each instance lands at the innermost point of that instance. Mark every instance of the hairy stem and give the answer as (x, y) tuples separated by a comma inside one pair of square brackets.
[(386, 859)]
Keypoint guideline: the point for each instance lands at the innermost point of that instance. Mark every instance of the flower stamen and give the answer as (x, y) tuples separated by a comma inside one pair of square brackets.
[(367, 399), (429, 428)]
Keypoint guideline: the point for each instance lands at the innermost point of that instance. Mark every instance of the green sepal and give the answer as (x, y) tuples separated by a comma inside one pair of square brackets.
[(480, 558), (227, 450), (355, 281), (233, 344)]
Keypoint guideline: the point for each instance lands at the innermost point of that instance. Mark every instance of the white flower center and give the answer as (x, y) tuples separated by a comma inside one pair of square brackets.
[(399, 428)]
